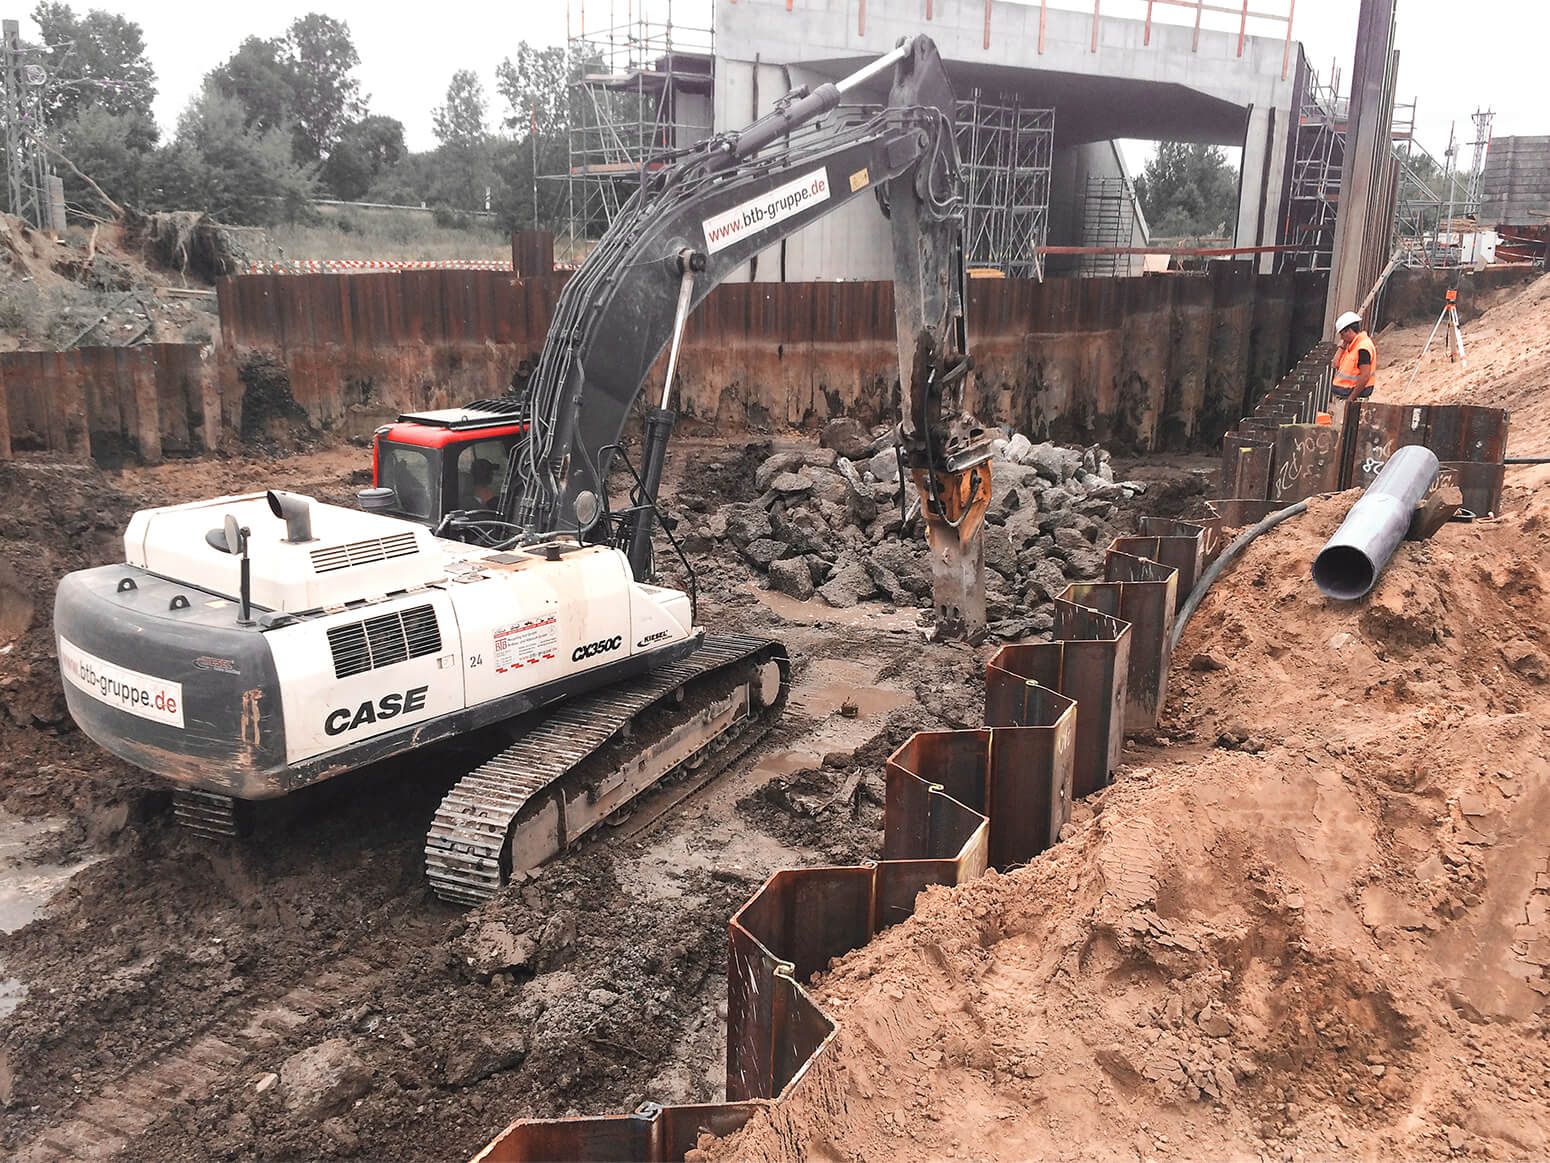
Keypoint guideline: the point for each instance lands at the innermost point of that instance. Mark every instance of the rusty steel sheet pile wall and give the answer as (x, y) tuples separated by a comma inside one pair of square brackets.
[(1153, 362), (956, 803), (1470, 442), (114, 404), (1278, 455)]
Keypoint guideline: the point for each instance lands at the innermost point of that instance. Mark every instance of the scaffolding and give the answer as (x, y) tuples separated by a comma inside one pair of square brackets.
[(1007, 149), (1318, 159), (643, 88), (1108, 220), (1438, 204)]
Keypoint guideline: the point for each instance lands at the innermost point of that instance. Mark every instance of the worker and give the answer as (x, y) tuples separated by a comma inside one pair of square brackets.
[(1354, 363), (483, 473)]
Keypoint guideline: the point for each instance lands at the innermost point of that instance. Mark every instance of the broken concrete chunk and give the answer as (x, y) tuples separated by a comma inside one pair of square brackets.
[(323, 1080), (765, 551), (793, 577), (847, 436), (791, 482)]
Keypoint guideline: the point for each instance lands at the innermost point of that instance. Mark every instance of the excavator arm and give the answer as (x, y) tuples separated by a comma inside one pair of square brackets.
[(700, 217)]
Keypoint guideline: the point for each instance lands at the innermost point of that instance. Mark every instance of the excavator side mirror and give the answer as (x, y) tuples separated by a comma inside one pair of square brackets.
[(587, 510)]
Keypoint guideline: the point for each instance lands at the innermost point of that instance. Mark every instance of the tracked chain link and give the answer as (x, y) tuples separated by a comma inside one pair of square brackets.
[(463, 848)]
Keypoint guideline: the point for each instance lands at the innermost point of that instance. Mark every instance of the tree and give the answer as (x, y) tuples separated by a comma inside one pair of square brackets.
[(96, 60), (365, 150), (1188, 190), (114, 149), (537, 85), (322, 56), (262, 79), (231, 171), (302, 80), (459, 124)]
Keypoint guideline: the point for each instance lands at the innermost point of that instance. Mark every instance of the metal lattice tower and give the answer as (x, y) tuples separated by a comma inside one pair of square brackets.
[(1007, 149), (26, 165), (1482, 143), (644, 88)]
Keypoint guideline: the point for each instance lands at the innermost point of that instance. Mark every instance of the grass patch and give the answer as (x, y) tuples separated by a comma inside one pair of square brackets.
[(54, 318), (346, 232)]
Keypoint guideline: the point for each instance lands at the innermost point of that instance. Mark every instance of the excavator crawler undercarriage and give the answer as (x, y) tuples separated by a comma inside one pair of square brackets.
[(593, 755)]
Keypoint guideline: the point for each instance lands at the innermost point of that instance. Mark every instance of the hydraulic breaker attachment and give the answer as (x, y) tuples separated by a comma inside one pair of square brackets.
[(953, 505)]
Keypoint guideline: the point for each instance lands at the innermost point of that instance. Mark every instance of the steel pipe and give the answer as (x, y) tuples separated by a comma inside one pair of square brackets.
[(1350, 562)]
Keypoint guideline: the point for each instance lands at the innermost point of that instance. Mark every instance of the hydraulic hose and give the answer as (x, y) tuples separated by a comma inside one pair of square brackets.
[(1223, 560)]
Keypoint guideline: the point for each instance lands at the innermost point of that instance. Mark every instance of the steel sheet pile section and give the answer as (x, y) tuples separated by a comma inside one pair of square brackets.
[(1088, 661), (1278, 451), (1469, 441), (957, 802), (114, 404), (1350, 562)]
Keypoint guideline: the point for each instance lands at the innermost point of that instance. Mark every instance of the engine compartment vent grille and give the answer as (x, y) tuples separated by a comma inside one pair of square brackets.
[(333, 557), (384, 640)]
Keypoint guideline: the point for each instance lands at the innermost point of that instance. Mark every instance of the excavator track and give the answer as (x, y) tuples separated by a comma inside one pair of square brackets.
[(576, 768)]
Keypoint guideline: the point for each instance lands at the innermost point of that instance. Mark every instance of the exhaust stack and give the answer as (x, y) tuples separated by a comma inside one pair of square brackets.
[(297, 513)]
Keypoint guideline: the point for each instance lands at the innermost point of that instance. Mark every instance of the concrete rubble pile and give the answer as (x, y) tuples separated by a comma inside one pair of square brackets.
[(828, 522)]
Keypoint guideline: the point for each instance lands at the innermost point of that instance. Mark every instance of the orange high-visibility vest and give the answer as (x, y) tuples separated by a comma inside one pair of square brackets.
[(1347, 370)]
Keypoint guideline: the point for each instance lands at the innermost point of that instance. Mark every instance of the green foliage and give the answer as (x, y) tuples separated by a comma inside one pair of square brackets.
[(97, 61), (366, 149), (55, 318), (322, 58), (536, 85), (464, 161), (260, 78), (539, 91), (116, 149), (1188, 190), (349, 232), (301, 80), (233, 172)]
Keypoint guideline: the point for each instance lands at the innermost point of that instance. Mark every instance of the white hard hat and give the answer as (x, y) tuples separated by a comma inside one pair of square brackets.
[(1347, 320)]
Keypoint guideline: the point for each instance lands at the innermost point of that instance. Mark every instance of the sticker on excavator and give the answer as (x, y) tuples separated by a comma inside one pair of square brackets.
[(129, 690), (526, 643), (760, 213)]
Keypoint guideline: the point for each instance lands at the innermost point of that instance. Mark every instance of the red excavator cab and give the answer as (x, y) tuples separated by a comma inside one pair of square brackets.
[(445, 460)]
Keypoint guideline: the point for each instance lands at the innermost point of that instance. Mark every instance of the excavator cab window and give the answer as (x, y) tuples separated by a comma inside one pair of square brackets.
[(408, 471), (481, 467)]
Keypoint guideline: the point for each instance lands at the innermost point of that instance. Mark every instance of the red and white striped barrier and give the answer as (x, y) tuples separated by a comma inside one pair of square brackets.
[(342, 266)]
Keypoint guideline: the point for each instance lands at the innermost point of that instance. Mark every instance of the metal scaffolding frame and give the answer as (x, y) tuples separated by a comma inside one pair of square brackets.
[(1438, 202), (630, 104), (1318, 159), (1007, 149), (1108, 220)]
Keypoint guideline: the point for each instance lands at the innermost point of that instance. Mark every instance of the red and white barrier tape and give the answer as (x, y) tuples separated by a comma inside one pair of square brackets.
[(340, 266)]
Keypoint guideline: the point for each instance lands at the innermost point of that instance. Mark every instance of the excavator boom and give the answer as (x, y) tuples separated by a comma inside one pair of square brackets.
[(694, 223)]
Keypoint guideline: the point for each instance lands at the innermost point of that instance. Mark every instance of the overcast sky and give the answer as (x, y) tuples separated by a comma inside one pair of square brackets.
[(1455, 55)]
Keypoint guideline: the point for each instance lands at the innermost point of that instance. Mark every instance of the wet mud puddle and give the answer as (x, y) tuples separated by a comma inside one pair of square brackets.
[(26, 887), (845, 702)]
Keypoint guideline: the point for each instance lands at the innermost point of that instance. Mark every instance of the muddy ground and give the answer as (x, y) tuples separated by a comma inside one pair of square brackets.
[(302, 993)]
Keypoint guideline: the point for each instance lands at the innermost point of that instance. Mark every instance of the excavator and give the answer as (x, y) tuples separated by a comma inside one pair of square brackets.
[(252, 645)]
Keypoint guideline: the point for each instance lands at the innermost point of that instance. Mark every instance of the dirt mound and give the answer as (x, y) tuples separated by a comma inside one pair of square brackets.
[(1508, 351), (1309, 918)]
